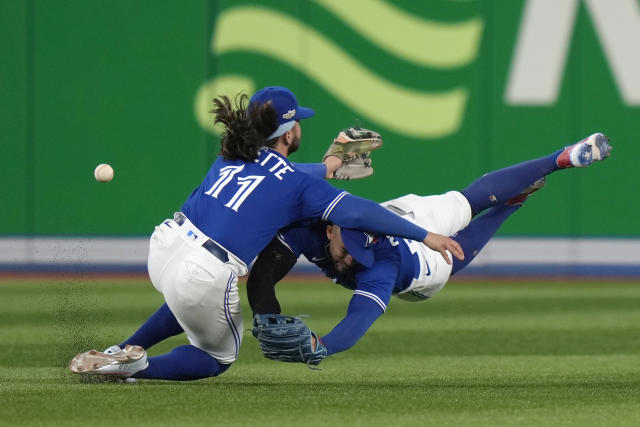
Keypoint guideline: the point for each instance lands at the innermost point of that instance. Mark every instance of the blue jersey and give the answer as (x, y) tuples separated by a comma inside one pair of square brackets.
[(394, 268), (242, 205)]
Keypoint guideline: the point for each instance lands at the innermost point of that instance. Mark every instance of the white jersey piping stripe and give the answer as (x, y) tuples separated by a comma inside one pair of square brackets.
[(374, 297), (333, 204), (229, 317), (281, 239)]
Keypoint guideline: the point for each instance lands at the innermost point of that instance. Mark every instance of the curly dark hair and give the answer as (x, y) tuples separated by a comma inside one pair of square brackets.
[(246, 129)]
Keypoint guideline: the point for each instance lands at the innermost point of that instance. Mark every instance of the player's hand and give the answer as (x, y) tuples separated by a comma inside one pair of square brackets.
[(333, 163), (442, 244)]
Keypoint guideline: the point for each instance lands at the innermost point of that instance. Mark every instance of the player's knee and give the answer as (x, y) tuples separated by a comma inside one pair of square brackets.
[(196, 363), (215, 367)]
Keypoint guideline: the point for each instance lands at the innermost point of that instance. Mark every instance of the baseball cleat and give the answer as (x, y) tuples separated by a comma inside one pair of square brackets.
[(113, 350), (580, 155), (524, 195), (113, 361)]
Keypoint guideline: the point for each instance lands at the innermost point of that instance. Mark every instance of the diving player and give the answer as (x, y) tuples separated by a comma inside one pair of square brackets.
[(377, 266)]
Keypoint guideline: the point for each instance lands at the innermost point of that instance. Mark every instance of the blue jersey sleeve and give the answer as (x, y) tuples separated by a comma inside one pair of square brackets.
[(362, 214), (361, 314), (317, 198), (370, 298), (320, 199), (299, 239), (377, 282), (319, 170)]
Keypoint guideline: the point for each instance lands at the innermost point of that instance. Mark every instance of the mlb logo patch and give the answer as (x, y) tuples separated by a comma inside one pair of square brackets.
[(191, 234)]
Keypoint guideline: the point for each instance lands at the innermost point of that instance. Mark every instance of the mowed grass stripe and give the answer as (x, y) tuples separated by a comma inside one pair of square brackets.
[(28, 324), (338, 397), (347, 368), (476, 354), (460, 343), (471, 298)]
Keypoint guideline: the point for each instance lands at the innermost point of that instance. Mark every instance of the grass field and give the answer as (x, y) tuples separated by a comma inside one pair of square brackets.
[(477, 354)]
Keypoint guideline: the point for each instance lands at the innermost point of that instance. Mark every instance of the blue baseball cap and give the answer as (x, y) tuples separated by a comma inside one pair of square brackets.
[(286, 105), (360, 245)]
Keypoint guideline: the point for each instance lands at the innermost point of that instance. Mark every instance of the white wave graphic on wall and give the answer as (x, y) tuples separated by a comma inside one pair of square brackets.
[(406, 111)]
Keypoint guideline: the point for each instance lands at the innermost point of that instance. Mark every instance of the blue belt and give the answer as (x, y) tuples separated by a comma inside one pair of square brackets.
[(211, 246)]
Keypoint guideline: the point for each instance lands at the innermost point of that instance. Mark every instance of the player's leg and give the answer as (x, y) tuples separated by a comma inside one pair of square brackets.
[(184, 363), (483, 227), (499, 186), (129, 356), (159, 326), (204, 298), (202, 294)]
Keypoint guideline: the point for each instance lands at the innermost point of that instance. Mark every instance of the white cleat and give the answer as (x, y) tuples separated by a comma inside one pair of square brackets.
[(113, 350), (594, 148), (114, 361)]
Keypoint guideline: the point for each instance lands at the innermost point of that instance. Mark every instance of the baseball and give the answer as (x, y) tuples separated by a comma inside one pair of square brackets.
[(103, 173)]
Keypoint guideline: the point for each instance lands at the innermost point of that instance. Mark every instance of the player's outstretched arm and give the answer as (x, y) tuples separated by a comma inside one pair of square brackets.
[(361, 314), (324, 170), (442, 244), (327, 169), (362, 214), (288, 339)]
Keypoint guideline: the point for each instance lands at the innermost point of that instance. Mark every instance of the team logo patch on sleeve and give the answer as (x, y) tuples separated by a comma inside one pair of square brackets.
[(371, 240)]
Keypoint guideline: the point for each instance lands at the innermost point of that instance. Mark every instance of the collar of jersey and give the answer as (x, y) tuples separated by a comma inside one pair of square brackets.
[(277, 153)]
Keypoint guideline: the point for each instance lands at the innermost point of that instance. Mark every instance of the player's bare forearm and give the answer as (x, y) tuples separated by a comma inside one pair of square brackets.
[(442, 244)]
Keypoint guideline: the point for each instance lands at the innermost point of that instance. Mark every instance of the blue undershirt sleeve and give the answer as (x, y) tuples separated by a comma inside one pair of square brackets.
[(319, 170), (362, 214), (361, 314)]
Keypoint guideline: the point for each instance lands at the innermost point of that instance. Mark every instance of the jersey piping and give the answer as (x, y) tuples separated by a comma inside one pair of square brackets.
[(332, 205), (372, 296)]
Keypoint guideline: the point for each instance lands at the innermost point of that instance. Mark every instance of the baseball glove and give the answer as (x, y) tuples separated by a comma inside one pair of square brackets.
[(359, 167), (287, 339), (354, 146)]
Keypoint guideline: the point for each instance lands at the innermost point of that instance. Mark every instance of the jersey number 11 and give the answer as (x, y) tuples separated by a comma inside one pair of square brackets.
[(247, 185)]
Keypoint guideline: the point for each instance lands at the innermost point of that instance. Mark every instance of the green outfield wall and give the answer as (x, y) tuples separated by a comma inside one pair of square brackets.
[(456, 88)]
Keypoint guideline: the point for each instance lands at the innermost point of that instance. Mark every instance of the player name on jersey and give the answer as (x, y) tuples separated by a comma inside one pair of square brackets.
[(280, 165)]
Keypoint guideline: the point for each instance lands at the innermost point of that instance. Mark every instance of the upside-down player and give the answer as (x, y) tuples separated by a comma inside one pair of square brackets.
[(378, 266)]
